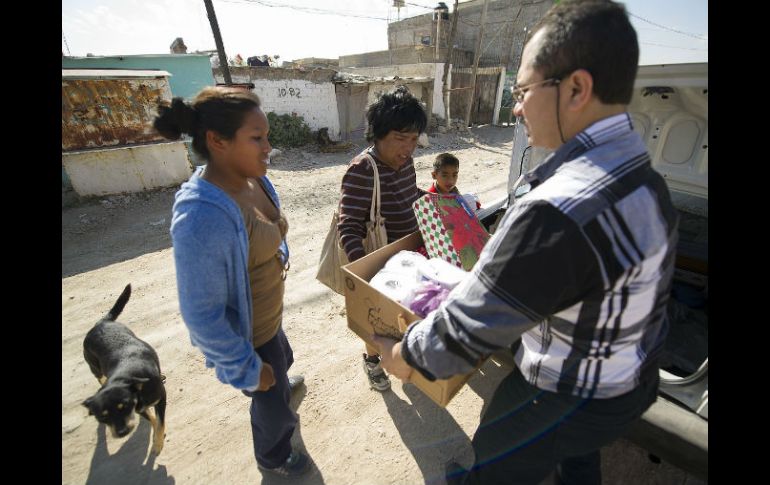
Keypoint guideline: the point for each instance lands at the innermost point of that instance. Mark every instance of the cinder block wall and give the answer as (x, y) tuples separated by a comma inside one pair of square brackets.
[(309, 94)]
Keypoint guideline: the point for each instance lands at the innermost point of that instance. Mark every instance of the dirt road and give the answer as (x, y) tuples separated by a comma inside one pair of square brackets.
[(353, 434)]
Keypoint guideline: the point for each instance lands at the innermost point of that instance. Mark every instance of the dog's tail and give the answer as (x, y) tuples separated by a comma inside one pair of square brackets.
[(118, 307)]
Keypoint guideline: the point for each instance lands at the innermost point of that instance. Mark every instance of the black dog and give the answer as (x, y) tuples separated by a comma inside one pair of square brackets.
[(129, 371)]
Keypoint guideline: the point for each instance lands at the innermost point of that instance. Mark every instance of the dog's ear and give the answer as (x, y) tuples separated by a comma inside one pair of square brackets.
[(138, 382), (87, 403)]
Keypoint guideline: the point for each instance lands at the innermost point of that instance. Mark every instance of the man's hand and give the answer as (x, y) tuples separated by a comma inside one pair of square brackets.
[(266, 377), (390, 352)]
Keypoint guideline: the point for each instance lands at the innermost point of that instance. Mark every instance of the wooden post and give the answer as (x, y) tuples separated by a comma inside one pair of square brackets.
[(476, 62), (218, 39), (447, 62)]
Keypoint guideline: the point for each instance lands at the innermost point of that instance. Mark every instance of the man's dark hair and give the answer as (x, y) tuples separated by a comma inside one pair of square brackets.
[(445, 159), (397, 110), (594, 35)]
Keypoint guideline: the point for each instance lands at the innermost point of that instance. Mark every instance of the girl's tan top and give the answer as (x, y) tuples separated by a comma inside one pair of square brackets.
[(266, 227)]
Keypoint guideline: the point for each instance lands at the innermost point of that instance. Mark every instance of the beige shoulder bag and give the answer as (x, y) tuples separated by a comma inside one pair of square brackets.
[(333, 256)]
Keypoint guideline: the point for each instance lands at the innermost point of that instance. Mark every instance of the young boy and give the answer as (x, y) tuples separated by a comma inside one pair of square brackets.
[(445, 170)]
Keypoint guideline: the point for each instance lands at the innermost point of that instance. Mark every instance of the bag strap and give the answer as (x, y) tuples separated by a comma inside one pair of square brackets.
[(374, 209)]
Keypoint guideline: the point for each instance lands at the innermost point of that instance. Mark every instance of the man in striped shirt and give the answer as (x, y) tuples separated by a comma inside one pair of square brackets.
[(576, 278), (395, 121)]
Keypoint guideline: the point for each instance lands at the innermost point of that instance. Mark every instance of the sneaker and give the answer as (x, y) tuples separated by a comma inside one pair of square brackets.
[(295, 465), (296, 381), (378, 380)]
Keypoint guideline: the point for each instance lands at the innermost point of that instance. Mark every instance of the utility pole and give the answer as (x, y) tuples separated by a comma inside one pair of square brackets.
[(218, 41), (65, 43), (450, 50), (398, 4), (476, 62), (438, 34)]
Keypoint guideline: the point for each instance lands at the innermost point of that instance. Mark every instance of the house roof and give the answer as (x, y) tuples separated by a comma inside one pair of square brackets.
[(191, 54), (111, 73), (346, 77)]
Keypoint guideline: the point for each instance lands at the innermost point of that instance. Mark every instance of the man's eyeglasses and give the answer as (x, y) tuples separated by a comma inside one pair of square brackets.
[(518, 92)]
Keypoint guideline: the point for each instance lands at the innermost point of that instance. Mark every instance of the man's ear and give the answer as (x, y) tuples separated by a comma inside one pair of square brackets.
[(581, 88), (433, 174)]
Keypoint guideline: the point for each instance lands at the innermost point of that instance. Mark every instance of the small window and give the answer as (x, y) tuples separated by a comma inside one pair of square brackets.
[(425, 40)]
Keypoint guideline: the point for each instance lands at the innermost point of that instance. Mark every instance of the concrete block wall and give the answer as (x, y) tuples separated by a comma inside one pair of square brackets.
[(127, 169), (405, 55), (503, 43), (287, 91), (316, 103)]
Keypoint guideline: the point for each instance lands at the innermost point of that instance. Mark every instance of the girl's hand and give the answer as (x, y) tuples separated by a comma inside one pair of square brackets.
[(266, 377), (283, 225)]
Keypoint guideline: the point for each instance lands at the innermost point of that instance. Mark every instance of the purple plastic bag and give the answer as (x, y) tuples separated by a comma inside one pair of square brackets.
[(427, 298)]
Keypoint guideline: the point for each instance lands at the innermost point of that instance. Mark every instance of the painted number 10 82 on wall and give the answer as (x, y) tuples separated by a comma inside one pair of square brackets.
[(283, 92)]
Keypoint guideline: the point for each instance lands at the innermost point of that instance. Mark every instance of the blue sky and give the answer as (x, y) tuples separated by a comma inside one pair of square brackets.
[(252, 27)]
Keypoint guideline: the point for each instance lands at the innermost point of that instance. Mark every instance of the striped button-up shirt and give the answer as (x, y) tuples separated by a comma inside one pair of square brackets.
[(579, 271), (398, 190)]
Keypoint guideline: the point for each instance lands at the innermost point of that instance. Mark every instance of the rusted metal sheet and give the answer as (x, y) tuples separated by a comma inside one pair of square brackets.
[(110, 112)]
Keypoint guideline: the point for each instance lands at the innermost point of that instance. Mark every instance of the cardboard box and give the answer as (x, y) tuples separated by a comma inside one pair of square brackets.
[(370, 311)]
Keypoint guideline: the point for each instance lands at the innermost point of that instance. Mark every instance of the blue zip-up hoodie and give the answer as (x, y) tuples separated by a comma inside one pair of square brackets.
[(211, 254)]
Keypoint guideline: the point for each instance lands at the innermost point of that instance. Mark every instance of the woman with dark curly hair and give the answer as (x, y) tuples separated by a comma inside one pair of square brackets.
[(395, 121)]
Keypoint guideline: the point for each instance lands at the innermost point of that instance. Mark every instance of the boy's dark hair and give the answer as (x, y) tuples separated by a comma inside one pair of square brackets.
[(397, 110), (444, 159), (219, 109), (594, 35)]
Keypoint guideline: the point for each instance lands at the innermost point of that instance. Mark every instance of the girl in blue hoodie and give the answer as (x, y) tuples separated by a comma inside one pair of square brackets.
[(229, 238)]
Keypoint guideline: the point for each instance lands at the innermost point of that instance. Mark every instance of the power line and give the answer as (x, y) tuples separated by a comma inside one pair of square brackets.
[(305, 9), (697, 36), (417, 5), (674, 47)]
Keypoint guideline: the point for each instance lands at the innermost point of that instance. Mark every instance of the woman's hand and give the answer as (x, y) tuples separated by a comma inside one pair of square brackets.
[(266, 377), (266, 380), (283, 225)]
